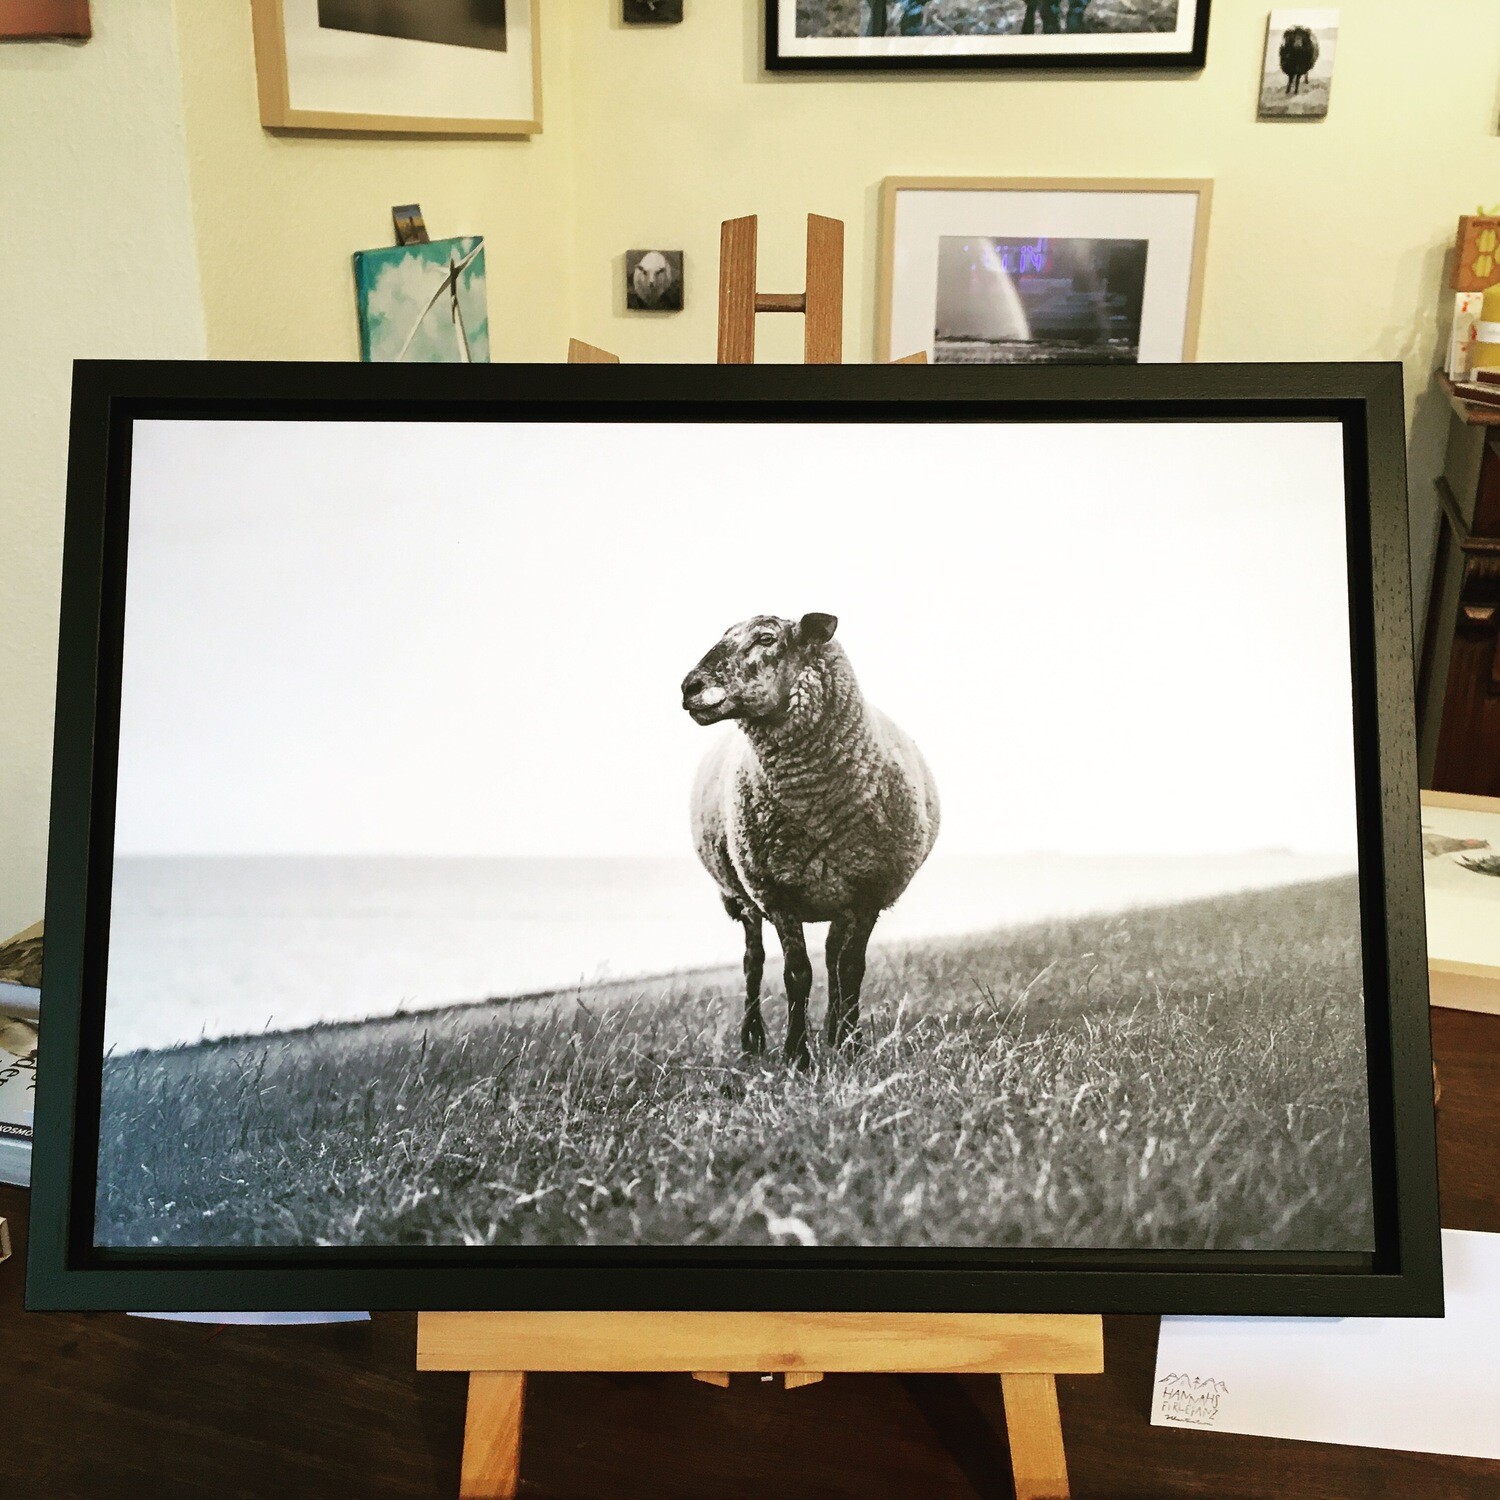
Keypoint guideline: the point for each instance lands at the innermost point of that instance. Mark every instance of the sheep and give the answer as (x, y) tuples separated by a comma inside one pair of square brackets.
[(819, 809), (1299, 56)]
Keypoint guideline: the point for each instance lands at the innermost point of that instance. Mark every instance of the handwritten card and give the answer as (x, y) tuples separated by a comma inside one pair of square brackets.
[(1429, 1385)]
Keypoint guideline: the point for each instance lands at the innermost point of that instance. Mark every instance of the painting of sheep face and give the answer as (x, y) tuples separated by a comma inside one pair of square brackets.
[(653, 280), (582, 853)]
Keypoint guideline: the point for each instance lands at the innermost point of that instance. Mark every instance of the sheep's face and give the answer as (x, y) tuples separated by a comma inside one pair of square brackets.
[(751, 672)]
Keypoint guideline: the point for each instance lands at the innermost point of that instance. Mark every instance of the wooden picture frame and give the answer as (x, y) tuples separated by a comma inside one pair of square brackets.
[(277, 86), (1357, 408), (892, 188), (1057, 39)]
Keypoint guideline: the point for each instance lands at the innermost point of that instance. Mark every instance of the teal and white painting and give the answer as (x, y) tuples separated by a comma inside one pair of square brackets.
[(424, 304)]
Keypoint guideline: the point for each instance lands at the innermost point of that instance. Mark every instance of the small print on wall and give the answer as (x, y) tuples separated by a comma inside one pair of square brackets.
[(1038, 301), (653, 280), (1298, 71), (423, 303)]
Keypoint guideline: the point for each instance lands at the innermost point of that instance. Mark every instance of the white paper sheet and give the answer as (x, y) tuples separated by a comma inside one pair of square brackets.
[(1429, 1385)]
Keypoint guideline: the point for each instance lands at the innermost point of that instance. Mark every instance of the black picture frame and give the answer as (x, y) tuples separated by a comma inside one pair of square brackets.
[(1401, 1277), (1192, 59)]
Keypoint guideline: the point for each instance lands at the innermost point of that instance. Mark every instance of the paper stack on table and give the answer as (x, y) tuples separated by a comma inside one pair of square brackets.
[(20, 997), (1461, 866), (1427, 1385)]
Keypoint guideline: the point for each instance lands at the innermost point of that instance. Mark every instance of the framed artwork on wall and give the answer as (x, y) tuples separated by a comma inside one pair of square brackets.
[(979, 270), (438, 889), (431, 67), (889, 35)]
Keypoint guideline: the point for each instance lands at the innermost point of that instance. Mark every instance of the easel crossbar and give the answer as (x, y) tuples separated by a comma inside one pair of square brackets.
[(905, 1343)]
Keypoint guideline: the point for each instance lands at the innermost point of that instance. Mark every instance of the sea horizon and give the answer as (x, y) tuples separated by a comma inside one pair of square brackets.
[(205, 946)]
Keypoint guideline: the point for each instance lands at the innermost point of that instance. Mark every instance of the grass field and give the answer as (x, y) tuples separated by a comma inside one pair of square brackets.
[(1186, 1077)]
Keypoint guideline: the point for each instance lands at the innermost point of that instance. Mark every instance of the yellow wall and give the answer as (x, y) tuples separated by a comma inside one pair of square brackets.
[(1328, 239), (98, 261), (278, 216)]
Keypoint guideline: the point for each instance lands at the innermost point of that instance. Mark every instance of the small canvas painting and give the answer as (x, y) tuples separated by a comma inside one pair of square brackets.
[(1298, 71), (653, 280), (423, 303), (1039, 300)]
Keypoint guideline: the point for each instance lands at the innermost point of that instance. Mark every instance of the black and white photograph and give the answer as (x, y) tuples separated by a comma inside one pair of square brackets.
[(543, 857), (1041, 301), (651, 12), (653, 280), (1298, 71), (420, 67), (449, 23), (1041, 270), (986, 33)]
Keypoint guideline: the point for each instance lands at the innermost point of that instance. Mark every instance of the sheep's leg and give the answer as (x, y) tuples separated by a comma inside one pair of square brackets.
[(854, 938), (838, 936), (798, 973), (753, 1028)]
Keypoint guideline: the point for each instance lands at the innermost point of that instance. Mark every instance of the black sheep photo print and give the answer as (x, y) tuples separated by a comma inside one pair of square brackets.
[(1298, 72), (683, 834)]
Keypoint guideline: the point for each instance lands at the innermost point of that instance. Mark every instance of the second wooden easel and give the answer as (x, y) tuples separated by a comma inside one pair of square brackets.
[(821, 302), (499, 1349)]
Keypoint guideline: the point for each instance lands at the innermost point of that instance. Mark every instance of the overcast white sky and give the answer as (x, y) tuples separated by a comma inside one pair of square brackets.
[(468, 639)]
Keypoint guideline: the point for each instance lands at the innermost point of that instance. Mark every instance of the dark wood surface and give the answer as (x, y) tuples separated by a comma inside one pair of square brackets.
[(101, 1405)]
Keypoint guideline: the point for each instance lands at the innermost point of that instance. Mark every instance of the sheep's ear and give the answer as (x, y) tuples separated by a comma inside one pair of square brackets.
[(814, 630)]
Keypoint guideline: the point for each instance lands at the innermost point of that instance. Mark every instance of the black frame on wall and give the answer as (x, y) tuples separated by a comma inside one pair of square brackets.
[(66, 1270), (1025, 56)]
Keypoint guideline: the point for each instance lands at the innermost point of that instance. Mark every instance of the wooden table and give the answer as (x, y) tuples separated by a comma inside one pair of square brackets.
[(99, 1405)]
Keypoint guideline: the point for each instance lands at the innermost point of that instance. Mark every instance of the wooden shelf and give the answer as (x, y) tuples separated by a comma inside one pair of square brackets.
[(1469, 411)]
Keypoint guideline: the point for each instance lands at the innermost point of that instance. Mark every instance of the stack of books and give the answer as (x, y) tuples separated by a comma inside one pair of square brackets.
[(20, 1008), (1482, 388)]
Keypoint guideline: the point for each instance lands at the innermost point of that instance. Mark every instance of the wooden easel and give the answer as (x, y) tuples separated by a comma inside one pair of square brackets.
[(498, 1349), (821, 303), (1027, 1352)]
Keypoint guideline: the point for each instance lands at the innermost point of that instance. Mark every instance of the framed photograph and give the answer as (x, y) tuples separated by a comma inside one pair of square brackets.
[(884, 35), (483, 875), (423, 303), (1298, 70), (432, 67), (993, 270)]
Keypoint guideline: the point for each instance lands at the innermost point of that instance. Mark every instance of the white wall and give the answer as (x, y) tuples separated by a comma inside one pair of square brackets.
[(99, 260)]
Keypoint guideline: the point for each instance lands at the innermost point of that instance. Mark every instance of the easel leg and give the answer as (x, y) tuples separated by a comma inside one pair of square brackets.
[(492, 1436), (1036, 1443)]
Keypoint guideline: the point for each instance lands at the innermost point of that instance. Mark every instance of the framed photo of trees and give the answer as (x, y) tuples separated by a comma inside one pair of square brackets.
[(871, 35)]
